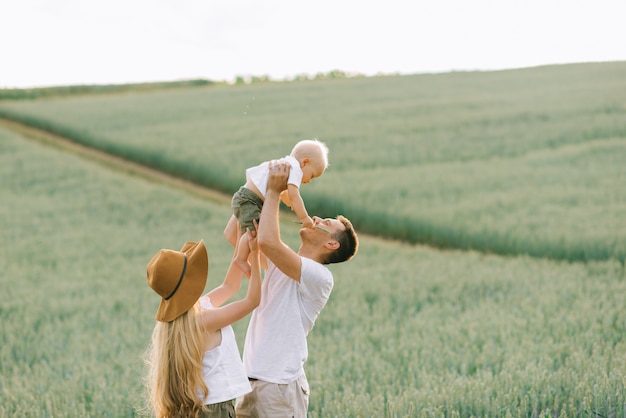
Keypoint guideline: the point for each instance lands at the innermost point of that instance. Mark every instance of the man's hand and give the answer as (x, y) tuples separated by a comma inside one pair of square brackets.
[(279, 173)]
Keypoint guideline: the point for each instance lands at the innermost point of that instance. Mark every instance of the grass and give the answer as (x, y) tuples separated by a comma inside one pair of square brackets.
[(409, 331), (510, 162)]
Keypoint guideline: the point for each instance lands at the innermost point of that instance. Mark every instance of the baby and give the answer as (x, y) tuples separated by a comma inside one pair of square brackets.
[(308, 160)]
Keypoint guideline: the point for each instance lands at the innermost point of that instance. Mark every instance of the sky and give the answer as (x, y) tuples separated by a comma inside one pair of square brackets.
[(70, 42)]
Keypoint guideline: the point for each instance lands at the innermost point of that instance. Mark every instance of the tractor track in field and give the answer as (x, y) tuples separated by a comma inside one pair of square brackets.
[(113, 161), (121, 164)]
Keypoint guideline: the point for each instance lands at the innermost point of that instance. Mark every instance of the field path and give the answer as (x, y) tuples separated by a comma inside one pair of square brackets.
[(113, 161)]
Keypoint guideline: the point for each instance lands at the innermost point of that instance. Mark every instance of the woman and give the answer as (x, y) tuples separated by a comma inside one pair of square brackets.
[(195, 369)]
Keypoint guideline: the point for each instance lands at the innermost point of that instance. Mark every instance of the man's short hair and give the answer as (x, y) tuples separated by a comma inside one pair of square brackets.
[(348, 243)]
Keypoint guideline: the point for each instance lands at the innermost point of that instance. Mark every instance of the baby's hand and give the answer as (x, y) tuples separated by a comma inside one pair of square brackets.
[(307, 222)]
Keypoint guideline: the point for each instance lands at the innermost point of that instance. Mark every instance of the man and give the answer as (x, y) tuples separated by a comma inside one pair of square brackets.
[(295, 289)]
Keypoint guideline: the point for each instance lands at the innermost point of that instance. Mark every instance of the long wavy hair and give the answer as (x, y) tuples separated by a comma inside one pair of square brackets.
[(174, 373)]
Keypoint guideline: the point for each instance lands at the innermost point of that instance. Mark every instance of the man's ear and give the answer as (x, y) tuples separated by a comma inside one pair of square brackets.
[(332, 245)]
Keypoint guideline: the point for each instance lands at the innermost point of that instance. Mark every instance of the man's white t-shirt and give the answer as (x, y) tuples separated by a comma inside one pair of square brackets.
[(275, 348), (259, 174)]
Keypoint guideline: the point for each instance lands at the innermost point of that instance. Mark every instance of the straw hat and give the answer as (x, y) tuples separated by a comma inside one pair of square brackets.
[(179, 278)]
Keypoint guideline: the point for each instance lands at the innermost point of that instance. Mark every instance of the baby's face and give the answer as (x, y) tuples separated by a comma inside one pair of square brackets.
[(311, 170)]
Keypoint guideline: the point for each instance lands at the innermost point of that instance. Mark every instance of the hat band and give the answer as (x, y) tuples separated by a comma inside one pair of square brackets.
[(179, 280)]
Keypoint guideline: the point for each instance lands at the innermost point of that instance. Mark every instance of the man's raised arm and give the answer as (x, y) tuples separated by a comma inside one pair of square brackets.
[(269, 240)]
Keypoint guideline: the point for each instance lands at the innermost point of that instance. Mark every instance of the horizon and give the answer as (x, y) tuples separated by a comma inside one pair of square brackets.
[(249, 78)]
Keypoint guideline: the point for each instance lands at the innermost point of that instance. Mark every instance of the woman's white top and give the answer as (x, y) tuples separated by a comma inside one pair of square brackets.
[(222, 367)]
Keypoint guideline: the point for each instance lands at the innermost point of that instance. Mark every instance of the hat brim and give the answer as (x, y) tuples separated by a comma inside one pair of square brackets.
[(191, 286)]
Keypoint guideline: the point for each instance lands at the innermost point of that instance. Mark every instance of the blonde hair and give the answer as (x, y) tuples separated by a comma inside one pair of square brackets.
[(174, 359), (311, 148)]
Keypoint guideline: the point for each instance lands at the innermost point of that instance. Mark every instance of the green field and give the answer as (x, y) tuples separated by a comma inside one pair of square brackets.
[(410, 330), (513, 162)]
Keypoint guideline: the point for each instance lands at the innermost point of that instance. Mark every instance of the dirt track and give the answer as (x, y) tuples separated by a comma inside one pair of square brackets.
[(112, 161)]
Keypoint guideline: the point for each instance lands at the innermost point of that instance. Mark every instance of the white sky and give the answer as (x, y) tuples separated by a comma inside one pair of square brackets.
[(61, 42)]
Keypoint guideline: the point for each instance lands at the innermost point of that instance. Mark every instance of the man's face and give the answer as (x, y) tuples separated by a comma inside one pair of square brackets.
[(326, 226)]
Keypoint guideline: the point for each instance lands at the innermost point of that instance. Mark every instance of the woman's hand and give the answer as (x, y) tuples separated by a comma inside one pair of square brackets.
[(252, 241)]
